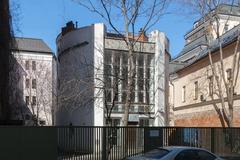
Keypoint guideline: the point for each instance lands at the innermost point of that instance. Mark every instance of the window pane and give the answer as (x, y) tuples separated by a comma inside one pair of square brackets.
[(27, 100), (27, 65), (196, 90), (124, 59), (124, 96), (107, 81), (144, 122), (140, 84), (183, 93), (27, 83), (140, 60), (140, 73), (34, 84), (108, 95), (210, 87), (108, 70), (132, 109), (116, 59), (150, 60), (132, 96), (34, 100), (33, 65), (108, 57), (140, 97)]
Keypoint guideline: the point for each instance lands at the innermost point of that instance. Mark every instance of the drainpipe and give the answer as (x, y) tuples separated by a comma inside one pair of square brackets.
[(171, 106)]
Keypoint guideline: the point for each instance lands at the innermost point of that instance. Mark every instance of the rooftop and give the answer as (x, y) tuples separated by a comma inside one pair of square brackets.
[(224, 9), (226, 38), (31, 45)]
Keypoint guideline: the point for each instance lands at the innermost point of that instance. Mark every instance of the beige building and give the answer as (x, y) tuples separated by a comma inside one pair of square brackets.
[(191, 81), (191, 88)]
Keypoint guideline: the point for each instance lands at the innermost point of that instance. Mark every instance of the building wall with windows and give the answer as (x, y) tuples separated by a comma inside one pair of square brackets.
[(223, 19), (191, 89), (34, 59), (105, 56)]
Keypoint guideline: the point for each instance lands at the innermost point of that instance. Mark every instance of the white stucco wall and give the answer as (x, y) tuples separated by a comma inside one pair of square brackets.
[(80, 55), (160, 88)]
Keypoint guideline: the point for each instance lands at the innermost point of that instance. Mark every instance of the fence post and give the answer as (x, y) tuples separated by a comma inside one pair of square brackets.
[(104, 150), (212, 140)]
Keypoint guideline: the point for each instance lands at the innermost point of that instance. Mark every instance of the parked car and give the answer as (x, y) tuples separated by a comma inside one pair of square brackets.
[(177, 153)]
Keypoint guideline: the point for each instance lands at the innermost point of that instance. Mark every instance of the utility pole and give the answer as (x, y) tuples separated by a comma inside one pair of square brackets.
[(5, 39)]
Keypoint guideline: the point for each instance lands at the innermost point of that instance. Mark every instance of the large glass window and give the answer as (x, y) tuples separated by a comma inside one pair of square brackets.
[(116, 70)]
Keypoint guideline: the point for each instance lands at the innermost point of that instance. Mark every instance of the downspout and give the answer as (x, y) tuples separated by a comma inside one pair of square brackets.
[(171, 106)]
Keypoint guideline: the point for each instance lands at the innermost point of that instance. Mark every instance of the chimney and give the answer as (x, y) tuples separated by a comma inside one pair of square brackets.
[(68, 28), (142, 35)]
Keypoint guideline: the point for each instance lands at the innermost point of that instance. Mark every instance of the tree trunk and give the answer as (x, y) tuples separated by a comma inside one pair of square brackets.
[(131, 75)]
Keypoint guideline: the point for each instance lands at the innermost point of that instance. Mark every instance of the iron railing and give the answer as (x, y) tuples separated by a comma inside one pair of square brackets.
[(115, 143)]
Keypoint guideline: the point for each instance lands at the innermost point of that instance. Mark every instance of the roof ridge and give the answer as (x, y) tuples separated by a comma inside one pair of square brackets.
[(28, 38)]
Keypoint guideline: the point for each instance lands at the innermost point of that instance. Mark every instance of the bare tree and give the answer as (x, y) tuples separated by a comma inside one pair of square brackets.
[(225, 83), (134, 14)]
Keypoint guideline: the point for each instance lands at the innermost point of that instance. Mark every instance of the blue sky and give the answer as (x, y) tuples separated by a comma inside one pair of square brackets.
[(44, 19)]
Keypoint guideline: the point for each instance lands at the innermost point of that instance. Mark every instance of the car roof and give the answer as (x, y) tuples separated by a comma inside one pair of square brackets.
[(170, 148)]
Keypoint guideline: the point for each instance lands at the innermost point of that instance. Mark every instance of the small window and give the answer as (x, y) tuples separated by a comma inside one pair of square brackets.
[(196, 90), (183, 93), (34, 100), (27, 83), (229, 74), (210, 86), (33, 65), (34, 84), (27, 100), (27, 65)]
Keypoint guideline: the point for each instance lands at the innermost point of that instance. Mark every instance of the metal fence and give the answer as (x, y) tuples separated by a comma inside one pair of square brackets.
[(115, 143)]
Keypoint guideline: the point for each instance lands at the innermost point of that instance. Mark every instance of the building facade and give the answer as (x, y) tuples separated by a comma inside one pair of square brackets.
[(223, 19), (193, 89), (93, 67), (32, 78)]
